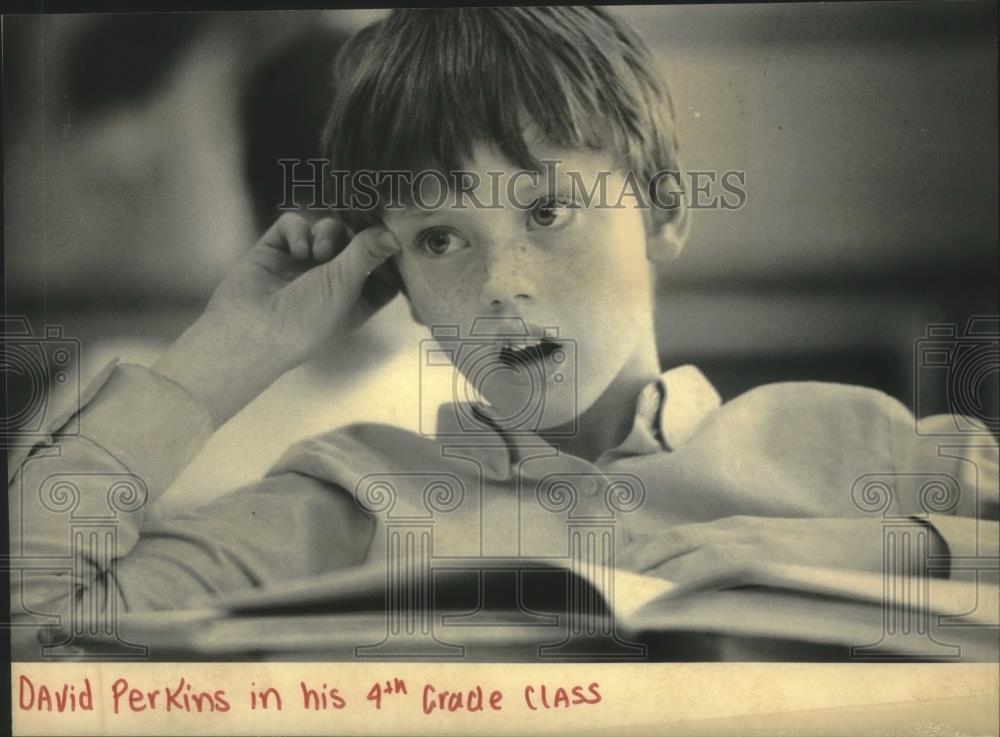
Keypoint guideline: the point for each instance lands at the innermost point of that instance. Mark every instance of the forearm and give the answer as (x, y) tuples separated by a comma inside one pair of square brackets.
[(221, 368), (274, 530), (77, 502)]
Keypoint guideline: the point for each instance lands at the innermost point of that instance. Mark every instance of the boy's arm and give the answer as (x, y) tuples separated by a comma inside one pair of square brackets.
[(137, 431), (277, 529), (105, 477), (927, 471), (77, 502)]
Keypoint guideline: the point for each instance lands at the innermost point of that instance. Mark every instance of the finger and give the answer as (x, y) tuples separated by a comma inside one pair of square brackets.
[(625, 555), (328, 237), (290, 233), (652, 550), (687, 568), (339, 281), (368, 250), (631, 553), (715, 565), (649, 551)]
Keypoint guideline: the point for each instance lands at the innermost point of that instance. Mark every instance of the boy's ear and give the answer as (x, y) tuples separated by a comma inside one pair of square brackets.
[(383, 285), (669, 223)]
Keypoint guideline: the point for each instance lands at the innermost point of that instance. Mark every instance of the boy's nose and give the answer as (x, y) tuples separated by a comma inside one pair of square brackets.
[(507, 277)]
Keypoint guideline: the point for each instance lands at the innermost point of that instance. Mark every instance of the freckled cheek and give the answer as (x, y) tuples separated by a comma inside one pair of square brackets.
[(607, 271), (567, 281), (623, 260), (440, 296)]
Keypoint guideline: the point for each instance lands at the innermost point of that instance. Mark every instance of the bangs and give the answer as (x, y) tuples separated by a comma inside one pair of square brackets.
[(420, 89)]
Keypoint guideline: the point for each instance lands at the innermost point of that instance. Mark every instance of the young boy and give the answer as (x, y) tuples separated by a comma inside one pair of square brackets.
[(778, 474)]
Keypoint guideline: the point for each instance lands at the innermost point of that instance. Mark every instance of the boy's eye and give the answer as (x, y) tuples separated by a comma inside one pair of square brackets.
[(438, 242), (552, 213)]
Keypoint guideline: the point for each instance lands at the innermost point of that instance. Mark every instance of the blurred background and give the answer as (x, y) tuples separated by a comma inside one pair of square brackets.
[(140, 161)]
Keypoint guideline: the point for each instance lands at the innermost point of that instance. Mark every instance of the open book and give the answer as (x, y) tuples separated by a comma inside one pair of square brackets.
[(520, 608)]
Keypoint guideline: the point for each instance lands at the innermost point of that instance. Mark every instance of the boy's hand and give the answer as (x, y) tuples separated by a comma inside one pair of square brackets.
[(687, 553), (298, 288)]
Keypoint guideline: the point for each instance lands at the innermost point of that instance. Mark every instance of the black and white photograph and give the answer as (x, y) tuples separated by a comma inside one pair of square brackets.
[(420, 347)]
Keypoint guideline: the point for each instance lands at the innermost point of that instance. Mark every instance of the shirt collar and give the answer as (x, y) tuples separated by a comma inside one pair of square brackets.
[(668, 412)]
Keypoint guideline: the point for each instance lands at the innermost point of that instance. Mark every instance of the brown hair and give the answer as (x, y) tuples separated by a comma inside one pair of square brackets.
[(421, 87)]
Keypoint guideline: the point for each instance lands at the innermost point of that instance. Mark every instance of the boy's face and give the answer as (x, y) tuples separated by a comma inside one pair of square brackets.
[(546, 260)]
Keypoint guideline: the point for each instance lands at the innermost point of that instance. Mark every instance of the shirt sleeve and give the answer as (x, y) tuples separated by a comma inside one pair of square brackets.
[(78, 498), (280, 528), (950, 479)]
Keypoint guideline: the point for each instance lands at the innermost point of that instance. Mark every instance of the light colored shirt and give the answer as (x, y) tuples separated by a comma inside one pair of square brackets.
[(783, 450)]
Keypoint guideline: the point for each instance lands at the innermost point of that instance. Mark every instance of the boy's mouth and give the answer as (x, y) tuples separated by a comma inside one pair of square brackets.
[(526, 352)]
